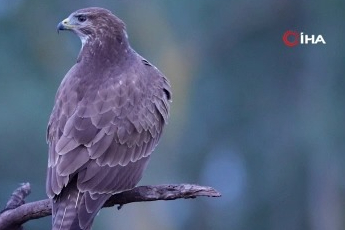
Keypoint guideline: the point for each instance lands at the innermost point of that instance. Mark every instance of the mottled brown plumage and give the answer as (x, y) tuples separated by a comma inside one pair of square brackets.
[(109, 113)]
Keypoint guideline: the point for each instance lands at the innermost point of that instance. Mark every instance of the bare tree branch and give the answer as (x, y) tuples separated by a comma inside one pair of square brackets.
[(17, 213), (18, 196)]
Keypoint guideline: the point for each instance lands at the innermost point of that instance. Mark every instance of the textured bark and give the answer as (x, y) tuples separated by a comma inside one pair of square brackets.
[(17, 213)]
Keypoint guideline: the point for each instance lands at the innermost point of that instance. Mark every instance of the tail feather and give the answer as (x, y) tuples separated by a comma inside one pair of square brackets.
[(75, 210), (65, 209)]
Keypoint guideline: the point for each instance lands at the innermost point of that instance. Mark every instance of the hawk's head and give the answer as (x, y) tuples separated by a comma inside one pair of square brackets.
[(94, 23)]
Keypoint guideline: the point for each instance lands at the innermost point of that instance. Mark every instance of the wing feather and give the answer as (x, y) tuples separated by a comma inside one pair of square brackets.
[(65, 144), (72, 161), (98, 148)]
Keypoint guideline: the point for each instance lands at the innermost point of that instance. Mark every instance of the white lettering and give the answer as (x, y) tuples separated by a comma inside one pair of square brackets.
[(307, 39), (320, 39), (310, 39)]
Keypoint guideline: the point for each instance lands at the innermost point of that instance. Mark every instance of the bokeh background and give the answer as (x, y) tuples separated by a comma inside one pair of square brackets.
[(261, 122)]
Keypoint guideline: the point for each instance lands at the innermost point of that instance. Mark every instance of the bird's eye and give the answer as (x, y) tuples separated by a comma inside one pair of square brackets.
[(81, 18)]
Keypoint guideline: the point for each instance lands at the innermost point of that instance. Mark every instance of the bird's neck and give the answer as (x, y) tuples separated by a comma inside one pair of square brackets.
[(106, 50)]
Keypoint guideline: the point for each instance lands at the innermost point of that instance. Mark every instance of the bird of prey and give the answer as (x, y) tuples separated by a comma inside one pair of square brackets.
[(108, 117)]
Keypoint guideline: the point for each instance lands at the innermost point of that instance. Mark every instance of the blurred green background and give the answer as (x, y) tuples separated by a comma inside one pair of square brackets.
[(259, 121)]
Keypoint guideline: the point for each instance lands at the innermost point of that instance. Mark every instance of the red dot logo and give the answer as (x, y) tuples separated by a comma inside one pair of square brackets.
[(291, 38)]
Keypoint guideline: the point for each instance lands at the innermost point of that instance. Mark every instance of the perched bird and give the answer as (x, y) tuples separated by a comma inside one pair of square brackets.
[(108, 117)]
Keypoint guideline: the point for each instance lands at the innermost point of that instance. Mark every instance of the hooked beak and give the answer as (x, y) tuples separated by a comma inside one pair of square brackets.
[(64, 25)]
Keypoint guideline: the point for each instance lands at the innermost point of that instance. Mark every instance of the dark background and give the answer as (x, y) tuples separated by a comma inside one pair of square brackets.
[(261, 122)]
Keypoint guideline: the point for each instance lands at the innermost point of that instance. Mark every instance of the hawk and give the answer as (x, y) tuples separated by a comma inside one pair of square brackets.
[(108, 117)]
